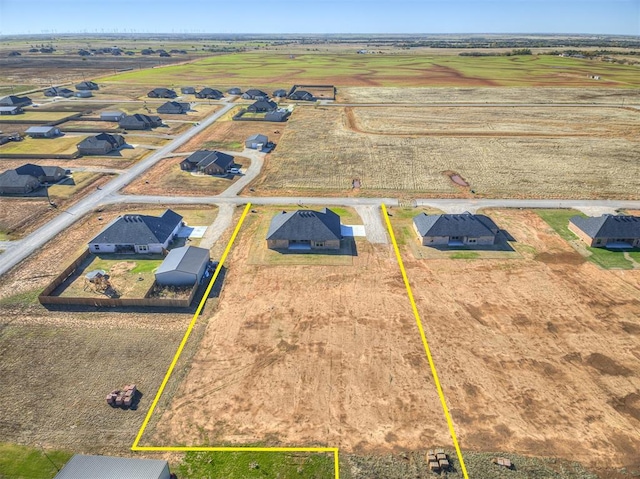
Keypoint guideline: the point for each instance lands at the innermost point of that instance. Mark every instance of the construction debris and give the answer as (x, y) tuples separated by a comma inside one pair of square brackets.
[(437, 460), (502, 461), (122, 397)]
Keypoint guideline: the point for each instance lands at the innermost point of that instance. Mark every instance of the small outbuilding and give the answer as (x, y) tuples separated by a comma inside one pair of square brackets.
[(10, 110), (188, 90), (183, 266), (174, 108), (256, 142), (43, 131), (607, 231), (305, 230), (112, 115), (234, 91), (100, 144), (108, 467), (455, 229)]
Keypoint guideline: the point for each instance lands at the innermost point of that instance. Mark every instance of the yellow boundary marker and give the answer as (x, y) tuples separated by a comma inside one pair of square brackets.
[(145, 423), (425, 343)]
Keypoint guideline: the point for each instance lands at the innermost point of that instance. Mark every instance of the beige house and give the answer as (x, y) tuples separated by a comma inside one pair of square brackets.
[(607, 231)]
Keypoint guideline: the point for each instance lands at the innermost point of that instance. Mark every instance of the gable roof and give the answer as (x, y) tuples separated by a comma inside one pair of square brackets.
[(280, 93), (264, 105), (12, 100), (255, 92), (234, 91), (174, 106), (187, 259), (38, 171), (11, 178), (139, 229), (258, 138), (163, 92), (106, 467), (87, 85), (464, 224), (203, 158), (210, 92), (301, 95), (93, 141), (609, 226), (140, 118), (40, 129), (304, 225)]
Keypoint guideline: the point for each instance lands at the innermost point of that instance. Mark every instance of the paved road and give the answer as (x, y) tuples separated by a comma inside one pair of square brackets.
[(374, 227), (23, 248), (97, 169), (257, 161), (223, 220)]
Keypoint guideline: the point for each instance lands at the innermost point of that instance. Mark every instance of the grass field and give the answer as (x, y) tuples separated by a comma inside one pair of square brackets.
[(64, 145), (79, 180), (258, 70), (22, 462), (322, 151), (37, 116)]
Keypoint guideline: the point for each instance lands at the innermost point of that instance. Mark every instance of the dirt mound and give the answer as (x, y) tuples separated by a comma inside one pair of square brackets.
[(606, 365)]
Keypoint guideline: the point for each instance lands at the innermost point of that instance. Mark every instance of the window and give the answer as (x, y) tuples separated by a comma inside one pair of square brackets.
[(96, 247)]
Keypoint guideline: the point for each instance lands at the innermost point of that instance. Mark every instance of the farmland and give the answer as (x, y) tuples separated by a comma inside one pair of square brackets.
[(279, 70), (321, 152)]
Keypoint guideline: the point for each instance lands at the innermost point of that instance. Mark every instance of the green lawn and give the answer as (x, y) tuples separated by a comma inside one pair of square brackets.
[(267, 70), (37, 116), (263, 465), (63, 145), (607, 259), (22, 462)]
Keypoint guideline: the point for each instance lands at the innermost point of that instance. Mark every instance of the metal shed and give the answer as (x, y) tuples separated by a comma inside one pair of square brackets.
[(107, 467), (183, 266)]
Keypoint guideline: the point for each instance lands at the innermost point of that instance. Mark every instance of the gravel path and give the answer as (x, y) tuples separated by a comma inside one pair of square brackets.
[(373, 224), (219, 226)]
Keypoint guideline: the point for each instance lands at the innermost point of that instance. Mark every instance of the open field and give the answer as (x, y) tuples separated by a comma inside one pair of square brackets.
[(166, 178), (543, 95), (226, 134), (63, 145), (320, 152), (36, 116), (22, 462), (279, 70)]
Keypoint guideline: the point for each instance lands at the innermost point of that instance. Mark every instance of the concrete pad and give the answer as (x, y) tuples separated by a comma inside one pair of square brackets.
[(192, 231), (352, 230), (596, 210)]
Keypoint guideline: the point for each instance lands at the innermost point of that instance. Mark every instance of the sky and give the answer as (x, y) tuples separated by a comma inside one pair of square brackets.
[(616, 17)]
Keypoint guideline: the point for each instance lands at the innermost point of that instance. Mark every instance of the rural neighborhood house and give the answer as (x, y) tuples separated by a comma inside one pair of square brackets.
[(174, 108), (208, 162), (100, 144), (305, 230), (455, 229), (162, 93), (607, 231), (139, 122)]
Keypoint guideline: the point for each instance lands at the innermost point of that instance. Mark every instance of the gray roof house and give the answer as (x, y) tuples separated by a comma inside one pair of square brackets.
[(455, 229), (305, 230), (209, 93), (174, 108), (281, 114), (12, 100), (255, 140), (87, 85), (302, 95), (57, 91), (44, 174), (183, 266), (108, 467), (137, 234), (100, 144), (11, 183), (162, 93), (262, 106), (234, 91), (254, 94), (280, 94), (208, 162), (608, 231), (42, 131), (112, 115), (188, 90), (10, 110), (139, 122)]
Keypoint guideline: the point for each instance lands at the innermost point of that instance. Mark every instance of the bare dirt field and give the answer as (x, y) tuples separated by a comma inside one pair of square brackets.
[(320, 151), (488, 95)]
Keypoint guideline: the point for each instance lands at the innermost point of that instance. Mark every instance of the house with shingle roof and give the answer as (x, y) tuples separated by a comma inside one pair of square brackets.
[(12, 100), (280, 93), (162, 93), (87, 85), (44, 174), (607, 231), (254, 94), (132, 233), (56, 91), (234, 91), (209, 93), (139, 121), (174, 108), (305, 230), (208, 162), (455, 229), (100, 144), (11, 183), (262, 106), (302, 95), (188, 90)]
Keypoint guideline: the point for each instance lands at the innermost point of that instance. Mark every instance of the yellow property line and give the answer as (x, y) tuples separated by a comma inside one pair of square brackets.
[(425, 344), (145, 423)]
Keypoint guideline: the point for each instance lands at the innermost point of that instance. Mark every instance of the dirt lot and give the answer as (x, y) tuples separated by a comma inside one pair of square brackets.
[(320, 152)]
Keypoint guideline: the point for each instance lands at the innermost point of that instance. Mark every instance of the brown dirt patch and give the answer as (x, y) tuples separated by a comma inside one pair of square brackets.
[(231, 135)]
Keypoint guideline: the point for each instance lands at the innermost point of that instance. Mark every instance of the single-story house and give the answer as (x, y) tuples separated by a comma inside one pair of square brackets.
[(100, 144), (608, 231), (234, 91), (208, 162), (209, 93), (139, 122), (305, 230), (183, 266), (302, 95), (137, 234), (188, 90), (11, 183), (56, 91), (455, 229), (174, 108), (43, 131), (280, 114), (112, 115), (162, 93), (256, 141), (10, 110), (280, 94), (262, 106), (87, 85), (44, 174), (108, 467), (12, 100), (253, 94), (83, 94)]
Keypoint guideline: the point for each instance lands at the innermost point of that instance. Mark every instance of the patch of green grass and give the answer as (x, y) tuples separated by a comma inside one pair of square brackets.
[(64, 145), (609, 259), (80, 180), (635, 255), (559, 221), (22, 462), (4, 236), (263, 465), (464, 255), (146, 266), (223, 145)]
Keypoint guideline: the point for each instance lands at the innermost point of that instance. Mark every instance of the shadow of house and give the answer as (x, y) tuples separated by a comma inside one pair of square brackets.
[(454, 230), (607, 231), (305, 230), (100, 144), (208, 162)]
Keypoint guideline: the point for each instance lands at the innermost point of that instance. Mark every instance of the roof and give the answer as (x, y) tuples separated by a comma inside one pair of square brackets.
[(258, 138), (304, 225), (464, 224), (172, 106), (234, 90), (9, 108), (162, 91), (255, 92), (187, 259), (139, 118), (12, 179), (204, 158), (106, 467), (38, 171), (15, 100), (40, 129), (301, 95), (609, 226), (114, 140), (210, 91), (266, 105), (111, 113), (280, 93), (139, 229)]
